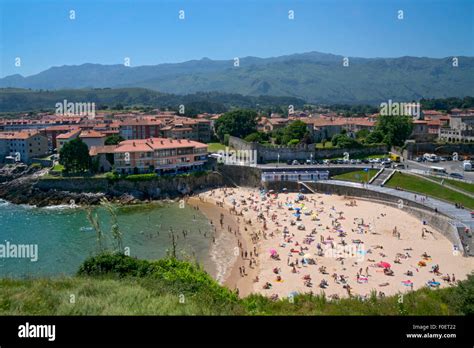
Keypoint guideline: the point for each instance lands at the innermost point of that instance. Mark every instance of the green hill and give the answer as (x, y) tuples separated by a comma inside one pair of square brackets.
[(23, 100), (313, 76)]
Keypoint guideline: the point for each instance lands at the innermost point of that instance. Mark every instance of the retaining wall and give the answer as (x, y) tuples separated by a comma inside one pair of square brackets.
[(301, 152)]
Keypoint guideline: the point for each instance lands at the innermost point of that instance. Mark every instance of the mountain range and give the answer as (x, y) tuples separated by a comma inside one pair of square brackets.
[(313, 76)]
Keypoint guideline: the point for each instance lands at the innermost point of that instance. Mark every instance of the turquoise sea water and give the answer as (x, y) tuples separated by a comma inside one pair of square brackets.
[(64, 237)]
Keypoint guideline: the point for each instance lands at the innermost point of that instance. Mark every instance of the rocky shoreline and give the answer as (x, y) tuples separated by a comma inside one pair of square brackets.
[(25, 186)]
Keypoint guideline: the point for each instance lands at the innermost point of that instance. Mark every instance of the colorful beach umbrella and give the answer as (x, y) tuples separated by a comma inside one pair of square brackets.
[(384, 264)]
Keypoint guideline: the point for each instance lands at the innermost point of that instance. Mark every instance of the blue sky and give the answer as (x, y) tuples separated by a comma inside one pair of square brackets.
[(150, 32)]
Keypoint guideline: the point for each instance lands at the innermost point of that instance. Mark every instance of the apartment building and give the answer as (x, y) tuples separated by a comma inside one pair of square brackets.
[(23, 146), (63, 138), (92, 138), (166, 126), (160, 155), (140, 128), (460, 129), (44, 122), (89, 137)]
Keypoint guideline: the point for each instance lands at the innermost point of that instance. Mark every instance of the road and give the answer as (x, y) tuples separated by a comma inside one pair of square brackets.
[(450, 166)]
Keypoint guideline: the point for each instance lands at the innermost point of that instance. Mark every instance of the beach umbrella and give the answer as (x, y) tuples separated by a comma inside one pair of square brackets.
[(298, 208), (271, 191), (384, 264), (307, 256), (296, 215), (272, 251)]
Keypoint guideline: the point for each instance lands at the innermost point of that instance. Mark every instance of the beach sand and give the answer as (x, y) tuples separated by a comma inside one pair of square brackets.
[(369, 231), (225, 251)]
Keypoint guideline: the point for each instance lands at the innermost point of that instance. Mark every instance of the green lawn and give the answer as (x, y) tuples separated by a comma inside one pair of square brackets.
[(215, 147), (356, 176), (465, 186), (327, 145), (416, 184), (58, 168)]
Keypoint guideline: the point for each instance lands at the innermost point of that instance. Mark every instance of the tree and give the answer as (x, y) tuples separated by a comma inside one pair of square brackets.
[(362, 134), (374, 137), (295, 130), (257, 137), (74, 156), (395, 129), (113, 139), (344, 141), (238, 123)]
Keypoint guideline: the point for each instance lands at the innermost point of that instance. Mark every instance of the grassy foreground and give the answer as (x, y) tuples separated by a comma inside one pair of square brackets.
[(120, 285), (425, 187)]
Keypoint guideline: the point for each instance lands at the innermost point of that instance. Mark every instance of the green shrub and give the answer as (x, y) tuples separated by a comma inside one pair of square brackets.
[(141, 177)]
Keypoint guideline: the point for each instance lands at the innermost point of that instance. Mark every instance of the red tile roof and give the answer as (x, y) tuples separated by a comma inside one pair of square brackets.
[(151, 144), (17, 135), (91, 134)]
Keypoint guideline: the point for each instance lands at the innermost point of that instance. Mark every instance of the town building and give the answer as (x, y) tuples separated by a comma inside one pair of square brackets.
[(23, 146), (460, 128), (160, 155)]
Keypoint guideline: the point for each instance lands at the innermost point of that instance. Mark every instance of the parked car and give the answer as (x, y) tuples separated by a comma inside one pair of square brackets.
[(295, 162), (398, 166), (442, 159), (456, 175), (365, 161), (326, 161), (419, 159)]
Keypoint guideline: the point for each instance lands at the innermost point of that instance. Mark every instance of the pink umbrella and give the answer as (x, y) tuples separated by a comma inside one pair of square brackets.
[(384, 264), (273, 251)]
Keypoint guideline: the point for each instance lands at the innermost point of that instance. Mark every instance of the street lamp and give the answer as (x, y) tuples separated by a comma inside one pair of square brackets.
[(311, 158), (278, 157)]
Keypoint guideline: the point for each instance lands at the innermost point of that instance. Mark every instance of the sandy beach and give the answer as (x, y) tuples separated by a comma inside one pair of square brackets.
[(226, 251), (290, 243)]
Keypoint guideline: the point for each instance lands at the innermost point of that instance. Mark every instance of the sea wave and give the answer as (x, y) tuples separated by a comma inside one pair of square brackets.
[(4, 203), (61, 207), (223, 256)]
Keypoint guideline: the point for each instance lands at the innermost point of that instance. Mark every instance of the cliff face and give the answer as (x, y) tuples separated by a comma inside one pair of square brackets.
[(35, 190)]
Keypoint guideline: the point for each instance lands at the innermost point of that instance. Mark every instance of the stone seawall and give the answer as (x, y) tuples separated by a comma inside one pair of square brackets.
[(241, 176)]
